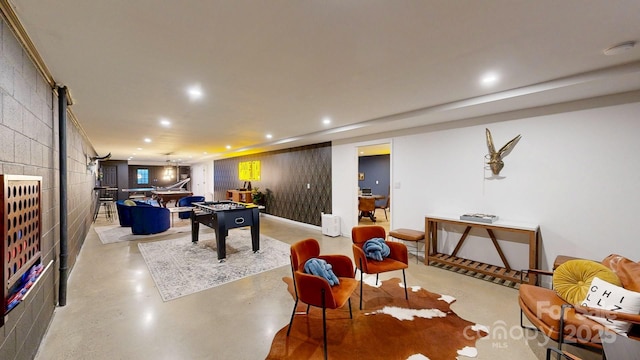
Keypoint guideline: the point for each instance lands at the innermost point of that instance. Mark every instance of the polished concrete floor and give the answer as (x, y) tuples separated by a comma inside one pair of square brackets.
[(114, 311)]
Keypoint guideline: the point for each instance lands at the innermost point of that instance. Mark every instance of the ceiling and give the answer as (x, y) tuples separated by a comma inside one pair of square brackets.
[(281, 67)]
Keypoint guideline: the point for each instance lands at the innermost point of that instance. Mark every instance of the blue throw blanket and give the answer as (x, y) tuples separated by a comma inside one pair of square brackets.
[(376, 249), (321, 268)]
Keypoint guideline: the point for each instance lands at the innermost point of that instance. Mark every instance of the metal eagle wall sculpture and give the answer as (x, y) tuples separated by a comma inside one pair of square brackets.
[(495, 157)]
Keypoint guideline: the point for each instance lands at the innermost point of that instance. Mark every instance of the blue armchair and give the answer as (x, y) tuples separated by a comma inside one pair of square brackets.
[(147, 220), (187, 201), (124, 211)]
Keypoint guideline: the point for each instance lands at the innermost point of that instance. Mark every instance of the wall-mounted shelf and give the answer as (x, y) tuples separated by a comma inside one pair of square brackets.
[(25, 290)]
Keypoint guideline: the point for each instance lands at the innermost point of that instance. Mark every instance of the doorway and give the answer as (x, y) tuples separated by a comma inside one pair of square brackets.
[(374, 180)]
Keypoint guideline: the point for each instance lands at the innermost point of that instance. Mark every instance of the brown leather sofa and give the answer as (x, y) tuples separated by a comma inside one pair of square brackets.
[(552, 315)]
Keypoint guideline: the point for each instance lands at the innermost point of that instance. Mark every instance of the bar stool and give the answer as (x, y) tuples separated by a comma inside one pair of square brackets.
[(106, 199), (409, 235)]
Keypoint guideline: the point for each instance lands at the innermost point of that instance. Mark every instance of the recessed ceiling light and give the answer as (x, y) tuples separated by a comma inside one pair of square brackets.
[(228, 147), (269, 136), (195, 92), (147, 140), (165, 122), (489, 79), (620, 48), (139, 149), (326, 120)]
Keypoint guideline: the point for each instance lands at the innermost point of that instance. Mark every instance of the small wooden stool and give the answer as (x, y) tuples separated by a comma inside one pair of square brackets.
[(409, 235)]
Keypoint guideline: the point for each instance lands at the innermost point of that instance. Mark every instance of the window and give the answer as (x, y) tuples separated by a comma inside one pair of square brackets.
[(143, 176)]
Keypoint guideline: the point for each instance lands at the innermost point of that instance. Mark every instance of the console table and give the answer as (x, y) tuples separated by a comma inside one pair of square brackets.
[(431, 237), (243, 196)]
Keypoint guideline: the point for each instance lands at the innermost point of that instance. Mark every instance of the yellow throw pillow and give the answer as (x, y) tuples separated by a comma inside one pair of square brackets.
[(129, 203), (572, 279)]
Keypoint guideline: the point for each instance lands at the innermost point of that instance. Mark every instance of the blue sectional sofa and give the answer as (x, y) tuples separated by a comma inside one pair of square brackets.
[(144, 219), (149, 220), (124, 211)]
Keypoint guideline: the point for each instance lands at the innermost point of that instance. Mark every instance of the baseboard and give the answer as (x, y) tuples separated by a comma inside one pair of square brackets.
[(293, 222)]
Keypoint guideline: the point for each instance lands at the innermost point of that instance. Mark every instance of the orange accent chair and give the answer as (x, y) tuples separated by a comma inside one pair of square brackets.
[(398, 258), (616, 347), (568, 323), (315, 290)]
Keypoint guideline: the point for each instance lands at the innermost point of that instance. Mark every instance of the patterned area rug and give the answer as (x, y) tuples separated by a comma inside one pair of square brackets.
[(388, 327), (115, 233), (180, 268)]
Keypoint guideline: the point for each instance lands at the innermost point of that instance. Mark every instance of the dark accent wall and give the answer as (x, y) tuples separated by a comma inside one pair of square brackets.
[(156, 175), (375, 168), (284, 178), (29, 145), (122, 176), (127, 176)]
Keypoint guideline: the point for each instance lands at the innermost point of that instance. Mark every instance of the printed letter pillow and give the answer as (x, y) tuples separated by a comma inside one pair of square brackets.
[(572, 279), (606, 296)]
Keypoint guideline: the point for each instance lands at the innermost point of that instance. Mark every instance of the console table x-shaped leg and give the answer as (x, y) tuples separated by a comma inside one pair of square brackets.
[(493, 239)]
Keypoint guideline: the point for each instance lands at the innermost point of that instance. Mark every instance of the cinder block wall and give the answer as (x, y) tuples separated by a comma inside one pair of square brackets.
[(29, 145)]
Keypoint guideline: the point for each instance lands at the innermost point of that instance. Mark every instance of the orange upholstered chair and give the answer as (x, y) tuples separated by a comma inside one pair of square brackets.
[(561, 313), (315, 290), (397, 259)]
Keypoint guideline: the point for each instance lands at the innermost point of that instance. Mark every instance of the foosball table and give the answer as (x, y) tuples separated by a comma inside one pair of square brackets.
[(222, 216)]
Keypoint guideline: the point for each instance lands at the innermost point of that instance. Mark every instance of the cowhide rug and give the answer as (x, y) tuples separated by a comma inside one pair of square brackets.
[(388, 327)]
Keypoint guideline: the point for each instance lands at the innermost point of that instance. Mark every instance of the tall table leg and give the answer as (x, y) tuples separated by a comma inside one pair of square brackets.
[(431, 239), (195, 227), (533, 256), (95, 213), (255, 230), (221, 235)]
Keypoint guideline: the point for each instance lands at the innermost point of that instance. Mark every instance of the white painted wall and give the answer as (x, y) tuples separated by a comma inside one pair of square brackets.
[(344, 181), (575, 173), (344, 185)]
